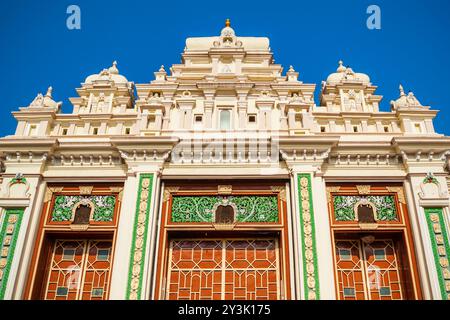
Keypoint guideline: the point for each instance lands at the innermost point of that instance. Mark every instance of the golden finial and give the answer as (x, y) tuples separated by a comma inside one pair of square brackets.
[(227, 23)]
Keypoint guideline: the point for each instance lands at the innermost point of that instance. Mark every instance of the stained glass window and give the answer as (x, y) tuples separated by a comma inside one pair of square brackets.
[(68, 254), (349, 292), (380, 254), (345, 254), (62, 291), (385, 291), (102, 254)]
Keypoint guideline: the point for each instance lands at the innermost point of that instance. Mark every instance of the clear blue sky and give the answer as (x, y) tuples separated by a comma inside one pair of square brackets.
[(37, 50)]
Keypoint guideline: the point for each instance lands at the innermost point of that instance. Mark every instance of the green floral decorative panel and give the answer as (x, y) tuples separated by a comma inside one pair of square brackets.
[(248, 208), (385, 205), (103, 207), (441, 248), (9, 232)]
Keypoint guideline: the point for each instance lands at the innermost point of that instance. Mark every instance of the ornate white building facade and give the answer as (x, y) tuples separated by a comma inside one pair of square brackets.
[(225, 180)]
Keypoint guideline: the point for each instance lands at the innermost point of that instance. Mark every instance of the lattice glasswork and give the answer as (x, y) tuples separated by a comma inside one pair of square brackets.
[(223, 269), (103, 207), (248, 208), (368, 274), (385, 205), (83, 276)]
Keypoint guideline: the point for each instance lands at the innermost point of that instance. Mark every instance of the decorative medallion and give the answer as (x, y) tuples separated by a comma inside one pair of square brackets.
[(19, 178), (138, 245), (310, 267)]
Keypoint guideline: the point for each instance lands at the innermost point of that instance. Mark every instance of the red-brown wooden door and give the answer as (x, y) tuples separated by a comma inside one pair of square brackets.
[(223, 269), (79, 270), (369, 270)]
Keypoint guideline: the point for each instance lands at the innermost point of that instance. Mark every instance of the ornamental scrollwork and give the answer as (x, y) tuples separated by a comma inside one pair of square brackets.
[(344, 207), (248, 208), (65, 205)]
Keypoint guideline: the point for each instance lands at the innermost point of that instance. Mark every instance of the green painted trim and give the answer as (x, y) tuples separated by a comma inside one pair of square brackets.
[(135, 227), (438, 211), (12, 246), (313, 235)]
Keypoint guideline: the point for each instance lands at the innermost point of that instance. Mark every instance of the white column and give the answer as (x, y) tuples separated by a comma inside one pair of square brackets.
[(325, 259), (321, 249), (148, 283), (119, 276), (296, 265), (133, 262), (28, 233), (24, 245), (424, 247), (422, 242)]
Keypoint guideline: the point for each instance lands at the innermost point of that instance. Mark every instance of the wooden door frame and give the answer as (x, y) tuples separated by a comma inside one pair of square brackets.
[(404, 259), (37, 292)]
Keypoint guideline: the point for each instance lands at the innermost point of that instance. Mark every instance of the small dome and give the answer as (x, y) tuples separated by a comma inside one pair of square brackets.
[(227, 32), (346, 73), (111, 74), (113, 69)]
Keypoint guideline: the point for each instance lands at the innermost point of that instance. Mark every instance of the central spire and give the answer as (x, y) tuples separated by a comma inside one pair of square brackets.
[(227, 23)]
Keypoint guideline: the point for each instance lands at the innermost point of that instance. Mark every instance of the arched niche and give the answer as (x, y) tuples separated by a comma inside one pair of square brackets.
[(82, 213), (224, 214), (366, 214)]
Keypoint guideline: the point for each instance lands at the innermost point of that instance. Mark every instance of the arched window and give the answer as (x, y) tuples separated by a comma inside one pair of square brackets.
[(82, 214), (366, 214), (224, 214)]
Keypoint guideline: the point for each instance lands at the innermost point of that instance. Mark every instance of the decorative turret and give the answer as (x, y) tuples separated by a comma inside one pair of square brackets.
[(110, 75), (45, 101), (292, 75), (160, 75), (406, 101), (346, 90), (346, 74), (227, 37), (107, 92)]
